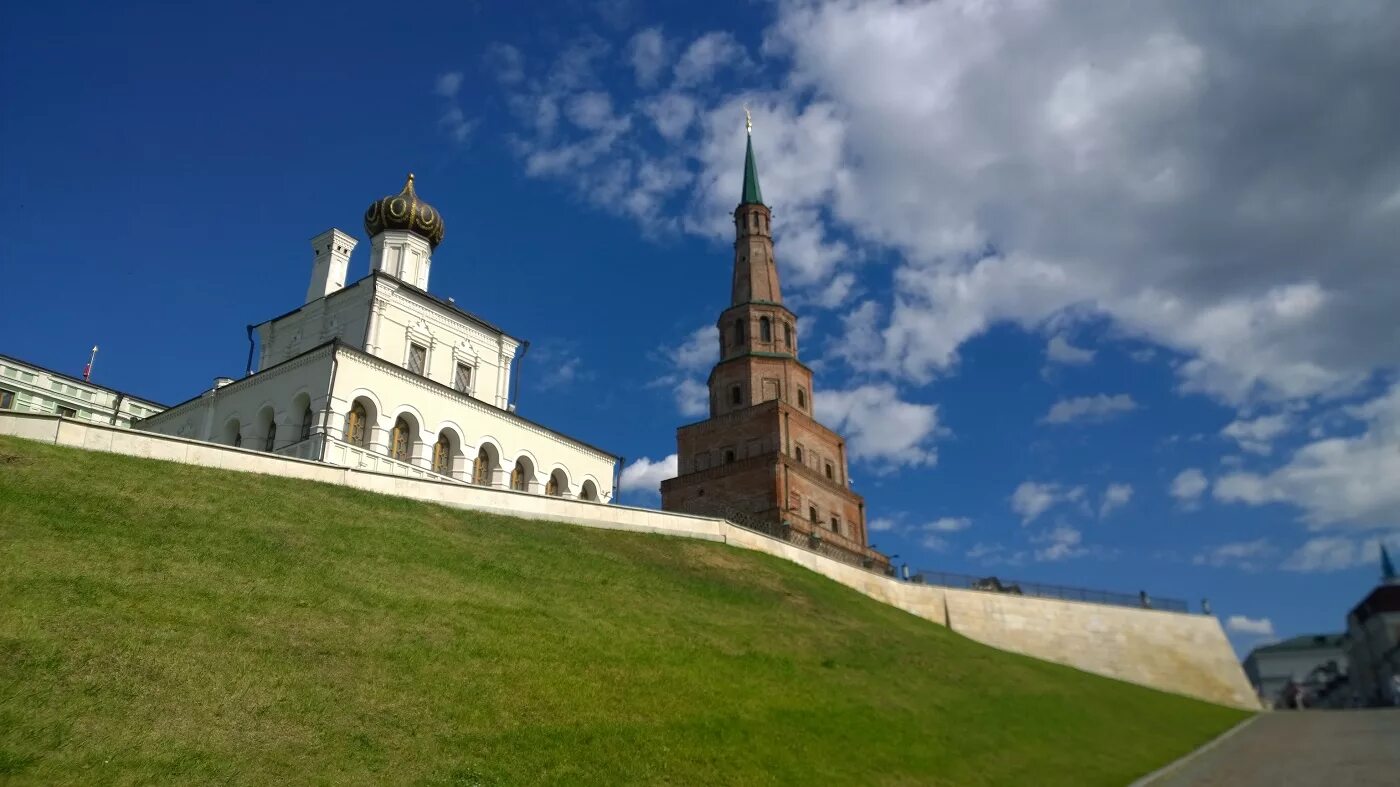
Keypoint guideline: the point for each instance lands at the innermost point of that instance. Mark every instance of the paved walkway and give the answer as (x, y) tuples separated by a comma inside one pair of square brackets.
[(1351, 748)]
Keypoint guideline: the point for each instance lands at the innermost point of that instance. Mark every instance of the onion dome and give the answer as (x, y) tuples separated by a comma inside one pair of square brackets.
[(405, 211)]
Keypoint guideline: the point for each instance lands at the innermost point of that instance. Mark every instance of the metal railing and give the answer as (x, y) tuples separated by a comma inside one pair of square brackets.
[(991, 584)]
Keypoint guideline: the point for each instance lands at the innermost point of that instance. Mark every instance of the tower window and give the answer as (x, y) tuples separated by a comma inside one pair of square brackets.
[(462, 381), (765, 329), (787, 335), (417, 358), (736, 394), (835, 525), (830, 472), (802, 398), (812, 514), (728, 455), (738, 332), (797, 452)]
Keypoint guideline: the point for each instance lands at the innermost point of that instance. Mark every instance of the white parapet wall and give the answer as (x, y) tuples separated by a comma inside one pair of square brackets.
[(1180, 653)]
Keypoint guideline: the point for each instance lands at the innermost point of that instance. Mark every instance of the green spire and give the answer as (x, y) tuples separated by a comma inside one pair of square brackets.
[(752, 195), (1387, 567)]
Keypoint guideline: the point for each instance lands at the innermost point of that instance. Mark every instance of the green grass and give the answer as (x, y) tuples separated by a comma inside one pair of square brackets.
[(167, 623)]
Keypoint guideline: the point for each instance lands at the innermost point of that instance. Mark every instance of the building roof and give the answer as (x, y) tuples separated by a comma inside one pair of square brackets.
[(1385, 598), (752, 194), (1302, 642), (81, 381)]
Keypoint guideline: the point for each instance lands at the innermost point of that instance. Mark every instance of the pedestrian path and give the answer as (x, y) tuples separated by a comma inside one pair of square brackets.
[(1343, 748)]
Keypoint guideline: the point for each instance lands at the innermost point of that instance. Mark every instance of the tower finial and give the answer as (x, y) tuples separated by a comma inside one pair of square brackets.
[(748, 120)]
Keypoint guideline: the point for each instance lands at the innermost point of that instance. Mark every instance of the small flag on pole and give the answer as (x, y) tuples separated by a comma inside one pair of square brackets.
[(87, 370)]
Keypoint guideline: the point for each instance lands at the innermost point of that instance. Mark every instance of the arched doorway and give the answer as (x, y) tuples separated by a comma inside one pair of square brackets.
[(358, 424), (523, 475), (589, 491), (443, 452), (558, 483)]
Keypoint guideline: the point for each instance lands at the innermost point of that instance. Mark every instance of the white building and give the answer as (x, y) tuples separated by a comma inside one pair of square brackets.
[(382, 375), (30, 388)]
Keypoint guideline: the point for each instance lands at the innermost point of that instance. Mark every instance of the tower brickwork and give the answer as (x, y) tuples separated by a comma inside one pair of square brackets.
[(761, 453)]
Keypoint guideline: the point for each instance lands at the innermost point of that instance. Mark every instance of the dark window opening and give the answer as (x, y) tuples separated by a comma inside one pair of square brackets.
[(802, 398), (765, 329), (797, 452), (738, 332), (728, 456), (271, 437), (830, 473), (812, 514), (736, 395), (835, 525), (787, 335)]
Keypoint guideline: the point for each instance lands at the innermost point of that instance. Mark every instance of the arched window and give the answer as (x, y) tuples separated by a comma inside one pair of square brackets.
[(271, 437), (588, 492), (738, 332), (442, 455), (736, 395), (812, 513), (481, 469), (802, 398), (729, 456), (765, 329), (787, 335), (517, 478), (401, 440), (356, 426), (551, 487), (797, 452), (307, 419)]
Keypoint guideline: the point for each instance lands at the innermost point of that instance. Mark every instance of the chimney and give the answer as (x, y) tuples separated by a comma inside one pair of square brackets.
[(330, 262)]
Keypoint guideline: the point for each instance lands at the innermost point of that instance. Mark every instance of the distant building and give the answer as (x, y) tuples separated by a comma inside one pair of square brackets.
[(29, 388), (761, 458), (1301, 660), (1373, 641)]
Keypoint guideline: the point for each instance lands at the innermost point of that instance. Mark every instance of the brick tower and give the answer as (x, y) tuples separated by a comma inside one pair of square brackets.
[(761, 457)]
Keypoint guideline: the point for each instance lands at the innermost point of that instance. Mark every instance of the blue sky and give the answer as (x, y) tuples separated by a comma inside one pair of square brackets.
[(1100, 298)]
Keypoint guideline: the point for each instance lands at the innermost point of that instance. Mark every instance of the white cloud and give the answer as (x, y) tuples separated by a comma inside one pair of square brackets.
[(881, 524), (686, 362), (1245, 555), (671, 113), (706, 55), (1338, 553), (452, 120), (448, 84), (1031, 499), (644, 476), (1115, 496), (1256, 435), (1093, 409), (1188, 486), (506, 62), (1339, 481), (647, 54), (949, 524), (1257, 627), (880, 428), (1061, 543), (1059, 350)]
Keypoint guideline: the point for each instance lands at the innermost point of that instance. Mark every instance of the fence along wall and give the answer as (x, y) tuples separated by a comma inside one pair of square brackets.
[(1183, 654)]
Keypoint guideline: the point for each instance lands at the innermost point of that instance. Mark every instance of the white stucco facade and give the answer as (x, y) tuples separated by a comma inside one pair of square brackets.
[(380, 374)]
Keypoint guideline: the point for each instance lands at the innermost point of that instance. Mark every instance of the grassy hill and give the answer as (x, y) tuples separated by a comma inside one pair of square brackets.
[(167, 623)]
